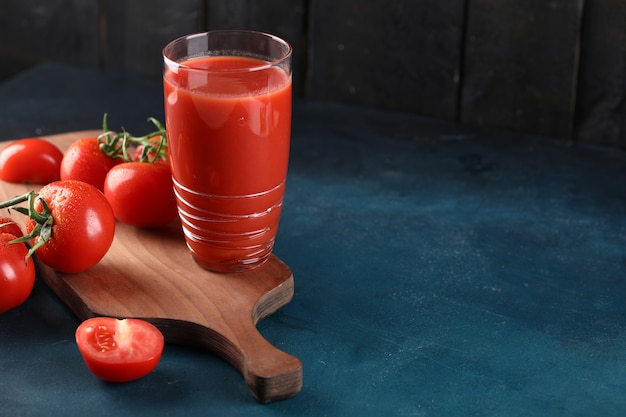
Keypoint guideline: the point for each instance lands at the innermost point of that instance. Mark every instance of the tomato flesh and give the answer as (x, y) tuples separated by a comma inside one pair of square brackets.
[(17, 275), (119, 350), (30, 160)]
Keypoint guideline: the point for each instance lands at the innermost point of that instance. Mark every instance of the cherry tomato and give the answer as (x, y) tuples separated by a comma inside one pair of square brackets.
[(119, 350), (17, 274), (141, 193), (31, 160), (83, 228), (7, 225), (84, 161)]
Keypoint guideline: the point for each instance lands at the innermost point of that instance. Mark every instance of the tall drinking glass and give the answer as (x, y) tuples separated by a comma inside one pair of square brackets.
[(228, 120)]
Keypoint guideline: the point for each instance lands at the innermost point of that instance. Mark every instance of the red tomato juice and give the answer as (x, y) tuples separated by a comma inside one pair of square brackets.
[(229, 122)]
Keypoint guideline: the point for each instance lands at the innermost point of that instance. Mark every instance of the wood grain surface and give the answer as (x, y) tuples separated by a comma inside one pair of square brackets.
[(149, 274)]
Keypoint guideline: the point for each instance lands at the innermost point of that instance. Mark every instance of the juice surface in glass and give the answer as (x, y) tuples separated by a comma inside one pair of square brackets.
[(228, 120)]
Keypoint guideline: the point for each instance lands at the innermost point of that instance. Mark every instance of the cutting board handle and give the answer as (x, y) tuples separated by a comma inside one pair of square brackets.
[(270, 373)]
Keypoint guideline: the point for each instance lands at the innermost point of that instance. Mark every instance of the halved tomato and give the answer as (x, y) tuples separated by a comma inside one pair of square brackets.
[(119, 350)]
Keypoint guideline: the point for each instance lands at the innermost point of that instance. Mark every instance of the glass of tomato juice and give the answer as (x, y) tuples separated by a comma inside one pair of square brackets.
[(227, 101)]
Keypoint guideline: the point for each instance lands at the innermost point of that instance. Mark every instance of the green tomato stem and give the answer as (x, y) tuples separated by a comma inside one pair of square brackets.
[(117, 145), (44, 220)]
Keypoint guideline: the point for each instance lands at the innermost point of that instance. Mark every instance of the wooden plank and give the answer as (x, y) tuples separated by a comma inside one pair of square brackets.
[(47, 30), (520, 65), (402, 55), (601, 98), (283, 18), (136, 31)]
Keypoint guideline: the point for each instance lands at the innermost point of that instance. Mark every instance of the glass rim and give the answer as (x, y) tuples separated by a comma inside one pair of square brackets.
[(170, 62)]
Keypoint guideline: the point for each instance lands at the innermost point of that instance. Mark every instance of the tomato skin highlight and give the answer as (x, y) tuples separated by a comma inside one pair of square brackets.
[(84, 161), (141, 194), (17, 275), (119, 350), (83, 229), (30, 160)]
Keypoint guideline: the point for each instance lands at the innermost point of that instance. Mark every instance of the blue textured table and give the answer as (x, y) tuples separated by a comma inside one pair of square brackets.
[(439, 270)]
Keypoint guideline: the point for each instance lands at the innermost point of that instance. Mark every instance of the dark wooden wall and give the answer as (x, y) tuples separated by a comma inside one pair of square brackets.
[(555, 68)]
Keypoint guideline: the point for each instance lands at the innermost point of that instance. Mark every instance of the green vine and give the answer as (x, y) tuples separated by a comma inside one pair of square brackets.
[(43, 220), (118, 145)]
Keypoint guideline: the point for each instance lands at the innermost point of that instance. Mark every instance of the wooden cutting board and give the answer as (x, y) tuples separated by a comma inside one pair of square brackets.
[(149, 274)]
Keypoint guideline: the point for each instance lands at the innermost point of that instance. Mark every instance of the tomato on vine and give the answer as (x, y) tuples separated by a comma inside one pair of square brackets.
[(7, 225), (147, 148), (131, 171), (85, 161), (140, 189), (30, 160), (151, 153), (70, 224), (17, 275), (90, 159), (141, 194)]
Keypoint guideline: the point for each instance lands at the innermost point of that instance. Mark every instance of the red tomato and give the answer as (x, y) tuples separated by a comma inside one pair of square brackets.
[(7, 225), (119, 350), (83, 229), (17, 275), (84, 161), (139, 150), (32, 160), (141, 194)]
